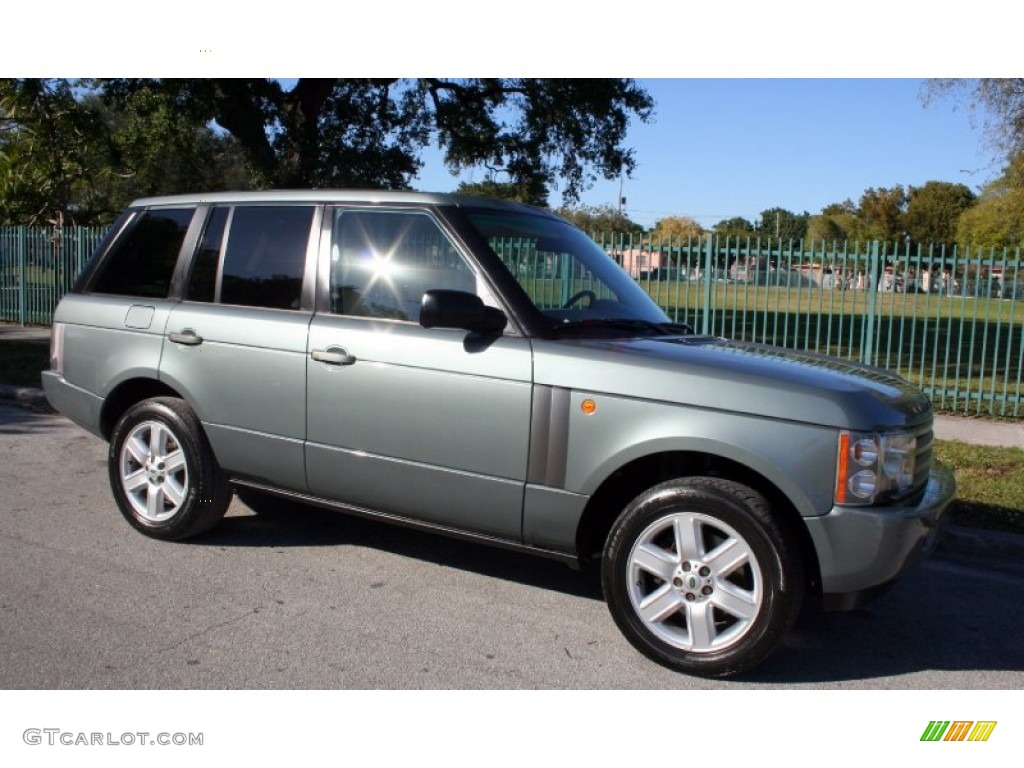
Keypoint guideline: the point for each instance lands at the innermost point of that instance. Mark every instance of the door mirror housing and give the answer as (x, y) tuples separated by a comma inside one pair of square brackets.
[(458, 309)]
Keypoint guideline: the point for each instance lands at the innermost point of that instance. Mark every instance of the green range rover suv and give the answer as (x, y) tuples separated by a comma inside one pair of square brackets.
[(483, 369)]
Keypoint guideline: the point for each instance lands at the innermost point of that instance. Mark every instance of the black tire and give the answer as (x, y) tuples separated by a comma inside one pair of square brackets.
[(701, 578), (163, 474)]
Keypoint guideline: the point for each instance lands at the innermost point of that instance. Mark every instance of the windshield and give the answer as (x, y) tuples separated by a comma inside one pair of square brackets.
[(567, 277)]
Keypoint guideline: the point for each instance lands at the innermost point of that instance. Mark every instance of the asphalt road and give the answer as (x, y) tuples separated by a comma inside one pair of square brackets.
[(305, 598)]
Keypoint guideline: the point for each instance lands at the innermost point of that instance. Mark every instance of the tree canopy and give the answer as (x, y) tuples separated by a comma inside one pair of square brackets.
[(47, 144), (676, 228), (827, 227), (539, 134), (934, 209), (369, 132), (74, 157), (783, 224), (880, 214), (1001, 100), (996, 220), (599, 219), (737, 226)]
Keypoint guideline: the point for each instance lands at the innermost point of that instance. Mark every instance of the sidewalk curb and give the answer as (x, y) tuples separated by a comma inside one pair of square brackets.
[(979, 431)]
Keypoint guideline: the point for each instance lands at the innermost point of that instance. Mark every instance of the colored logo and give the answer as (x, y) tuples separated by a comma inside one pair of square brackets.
[(958, 730)]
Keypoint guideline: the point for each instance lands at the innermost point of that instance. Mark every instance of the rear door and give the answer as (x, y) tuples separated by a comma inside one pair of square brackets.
[(235, 347)]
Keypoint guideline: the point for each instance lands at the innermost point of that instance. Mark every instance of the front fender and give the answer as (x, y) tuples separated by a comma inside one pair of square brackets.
[(799, 459)]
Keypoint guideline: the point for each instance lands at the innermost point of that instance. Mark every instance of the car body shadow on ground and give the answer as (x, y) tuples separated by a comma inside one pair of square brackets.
[(930, 620), (283, 523), (22, 421)]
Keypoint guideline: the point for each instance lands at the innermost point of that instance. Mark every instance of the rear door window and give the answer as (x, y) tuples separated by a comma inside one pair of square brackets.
[(265, 256), (253, 256)]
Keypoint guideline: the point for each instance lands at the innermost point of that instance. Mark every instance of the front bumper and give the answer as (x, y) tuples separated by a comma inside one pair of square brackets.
[(861, 550)]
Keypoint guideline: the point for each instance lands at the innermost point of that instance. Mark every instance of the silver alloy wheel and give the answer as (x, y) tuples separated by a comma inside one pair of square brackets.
[(153, 471), (694, 582)]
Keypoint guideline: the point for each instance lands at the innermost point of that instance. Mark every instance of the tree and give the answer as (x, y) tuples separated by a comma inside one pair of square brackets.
[(934, 209), (845, 208), (996, 220), (737, 226), (783, 224), (47, 150), (837, 221), (600, 220), (827, 228), (369, 132), (880, 214), (1002, 99), (676, 229), (152, 148), (66, 155)]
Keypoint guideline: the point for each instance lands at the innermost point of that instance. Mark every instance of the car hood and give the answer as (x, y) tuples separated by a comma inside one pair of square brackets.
[(758, 379)]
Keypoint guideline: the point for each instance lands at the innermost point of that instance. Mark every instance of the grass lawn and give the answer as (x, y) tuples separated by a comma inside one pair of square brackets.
[(811, 300), (990, 484)]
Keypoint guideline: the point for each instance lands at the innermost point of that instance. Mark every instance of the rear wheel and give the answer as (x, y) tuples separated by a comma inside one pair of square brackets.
[(162, 472), (701, 577)]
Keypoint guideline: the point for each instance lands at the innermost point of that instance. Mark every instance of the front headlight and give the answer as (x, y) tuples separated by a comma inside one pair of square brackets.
[(873, 467)]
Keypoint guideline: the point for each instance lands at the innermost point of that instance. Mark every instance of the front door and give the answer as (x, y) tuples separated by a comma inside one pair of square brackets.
[(427, 424)]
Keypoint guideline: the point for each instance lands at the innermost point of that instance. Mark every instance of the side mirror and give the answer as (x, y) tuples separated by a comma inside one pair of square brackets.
[(458, 309)]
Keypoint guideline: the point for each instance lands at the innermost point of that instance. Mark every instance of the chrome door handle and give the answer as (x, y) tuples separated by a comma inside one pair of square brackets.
[(333, 356), (187, 336)]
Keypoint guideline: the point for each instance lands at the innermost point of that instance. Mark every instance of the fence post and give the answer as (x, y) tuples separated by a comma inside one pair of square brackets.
[(22, 275), (867, 347), (705, 319)]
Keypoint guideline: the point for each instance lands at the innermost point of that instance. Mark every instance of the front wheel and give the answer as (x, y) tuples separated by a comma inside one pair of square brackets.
[(162, 472), (701, 578)]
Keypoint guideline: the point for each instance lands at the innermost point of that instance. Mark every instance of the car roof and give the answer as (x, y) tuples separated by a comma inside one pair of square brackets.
[(377, 196)]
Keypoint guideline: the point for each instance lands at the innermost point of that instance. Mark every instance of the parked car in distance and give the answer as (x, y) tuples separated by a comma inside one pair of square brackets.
[(664, 274), (482, 369)]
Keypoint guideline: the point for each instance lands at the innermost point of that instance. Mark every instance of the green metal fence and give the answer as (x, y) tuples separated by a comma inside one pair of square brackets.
[(951, 321), (38, 265)]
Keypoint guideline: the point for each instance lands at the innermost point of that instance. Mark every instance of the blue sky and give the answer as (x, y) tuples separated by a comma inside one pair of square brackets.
[(718, 148)]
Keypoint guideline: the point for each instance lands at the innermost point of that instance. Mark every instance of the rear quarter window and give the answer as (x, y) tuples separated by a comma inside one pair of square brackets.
[(141, 262)]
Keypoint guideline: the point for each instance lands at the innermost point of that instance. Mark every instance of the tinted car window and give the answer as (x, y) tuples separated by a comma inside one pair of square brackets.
[(383, 262), (142, 262), (265, 256)]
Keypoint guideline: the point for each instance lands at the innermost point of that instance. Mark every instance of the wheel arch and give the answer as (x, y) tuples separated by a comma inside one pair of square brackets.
[(633, 478), (125, 395)]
